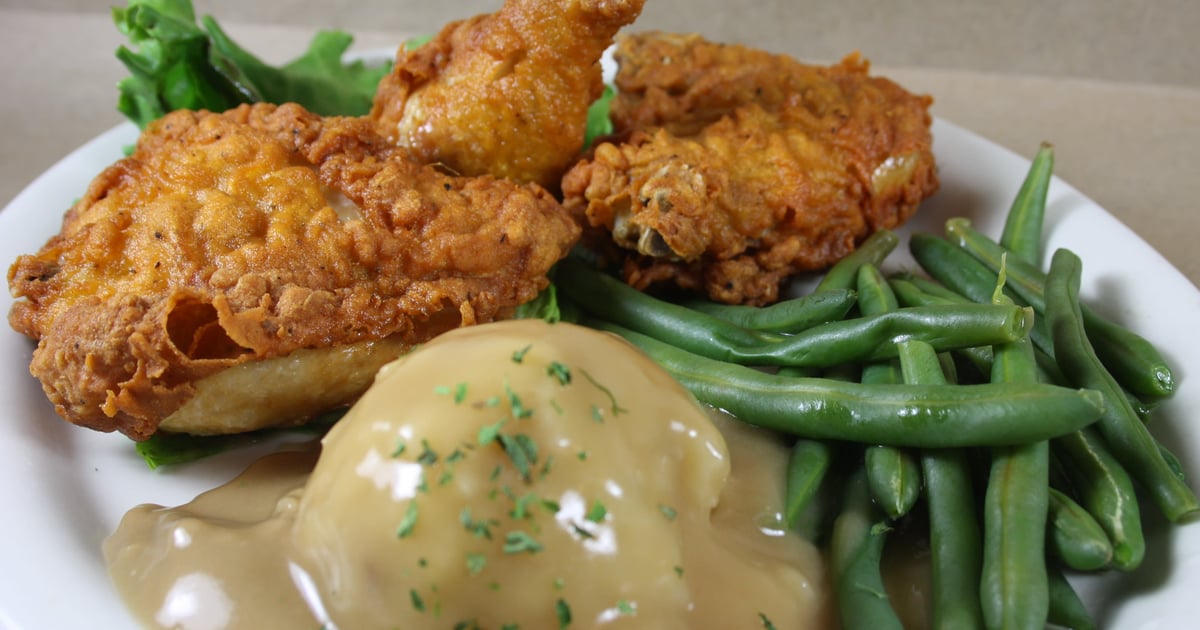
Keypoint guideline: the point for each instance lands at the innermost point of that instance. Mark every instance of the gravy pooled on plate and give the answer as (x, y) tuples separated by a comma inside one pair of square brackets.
[(516, 474)]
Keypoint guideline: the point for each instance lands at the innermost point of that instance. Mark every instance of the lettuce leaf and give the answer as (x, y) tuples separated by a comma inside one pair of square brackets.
[(174, 63)]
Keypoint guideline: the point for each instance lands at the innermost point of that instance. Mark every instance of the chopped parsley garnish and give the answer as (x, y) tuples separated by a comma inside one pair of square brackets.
[(400, 446), (418, 604), (564, 613), (766, 622), (626, 608), (428, 456), (476, 562), (597, 413), (597, 513), (678, 571), (668, 511), (519, 355), (519, 410), (521, 505), (481, 528), (521, 542), (405, 528), (616, 409), (523, 452), (560, 372), (460, 393), (489, 433)]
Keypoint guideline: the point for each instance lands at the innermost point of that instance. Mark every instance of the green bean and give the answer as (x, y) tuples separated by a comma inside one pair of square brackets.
[(861, 339), (1133, 360), (856, 550), (844, 273), (898, 415), (787, 316), (893, 474), (1106, 491), (959, 271), (1127, 437), (808, 465), (954, 538), (1066, 609), (1013, 588), (1073, 536), (1022, 233)]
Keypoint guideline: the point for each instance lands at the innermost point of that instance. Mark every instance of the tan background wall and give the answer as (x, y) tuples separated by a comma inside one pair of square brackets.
[(1149, 41)]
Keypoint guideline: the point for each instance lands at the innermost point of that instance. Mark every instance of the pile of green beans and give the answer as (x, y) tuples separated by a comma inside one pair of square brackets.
[(980, 399)]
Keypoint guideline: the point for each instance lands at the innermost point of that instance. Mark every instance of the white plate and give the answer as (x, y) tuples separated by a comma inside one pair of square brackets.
[(63, 489)]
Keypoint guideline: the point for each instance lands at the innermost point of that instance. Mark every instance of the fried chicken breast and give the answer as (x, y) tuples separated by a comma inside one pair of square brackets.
[(506, 93), (734, 169), (266, 242)]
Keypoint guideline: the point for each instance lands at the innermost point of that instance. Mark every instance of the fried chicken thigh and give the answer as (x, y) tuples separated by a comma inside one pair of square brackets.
[(506, 93), (734, 169), (267, 236)]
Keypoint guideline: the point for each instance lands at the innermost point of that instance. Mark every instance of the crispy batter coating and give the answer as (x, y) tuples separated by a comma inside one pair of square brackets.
[(230, 238), (734, 169), (506, 93)]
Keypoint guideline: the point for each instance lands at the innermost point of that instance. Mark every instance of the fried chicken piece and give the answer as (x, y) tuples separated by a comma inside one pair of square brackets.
[(507, 93), (276, 243), (735, 169)]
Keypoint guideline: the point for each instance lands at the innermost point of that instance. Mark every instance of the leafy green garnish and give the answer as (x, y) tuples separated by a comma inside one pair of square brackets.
[(598, 121), (168, 449), (181, 65)]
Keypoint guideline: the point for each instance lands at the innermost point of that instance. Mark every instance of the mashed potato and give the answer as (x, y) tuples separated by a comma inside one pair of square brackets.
[(509, 475)]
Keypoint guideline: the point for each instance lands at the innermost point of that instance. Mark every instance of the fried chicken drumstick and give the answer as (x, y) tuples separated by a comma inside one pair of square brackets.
[(734, 169), (506, 93), (230, 249)]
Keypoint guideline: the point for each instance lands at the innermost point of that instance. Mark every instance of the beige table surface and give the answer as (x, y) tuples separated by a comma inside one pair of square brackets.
[(1114, 85)]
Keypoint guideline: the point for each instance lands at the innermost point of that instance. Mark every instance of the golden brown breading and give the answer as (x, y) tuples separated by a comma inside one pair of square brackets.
[(231, 238), (735, 169), (506, 93)]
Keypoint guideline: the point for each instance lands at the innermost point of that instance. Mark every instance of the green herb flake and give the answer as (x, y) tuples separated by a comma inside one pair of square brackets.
[(557, 407), (405, 528), (551, 505), (428, 456), (546, 467), (626, 608), (564, 613), (560, 372), (519, 355), (442, 390), (401, 445), (582, 456), (668, 511), (418, 604), (460, 393), (488, 433), (510, 626), (521, 542), (519, 410), (766, 622), (522, 451), (597, 513), (597, 413), (678, 571), (559, 584), (481, 528), (476, 562), (521, 505), (616, 409)]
